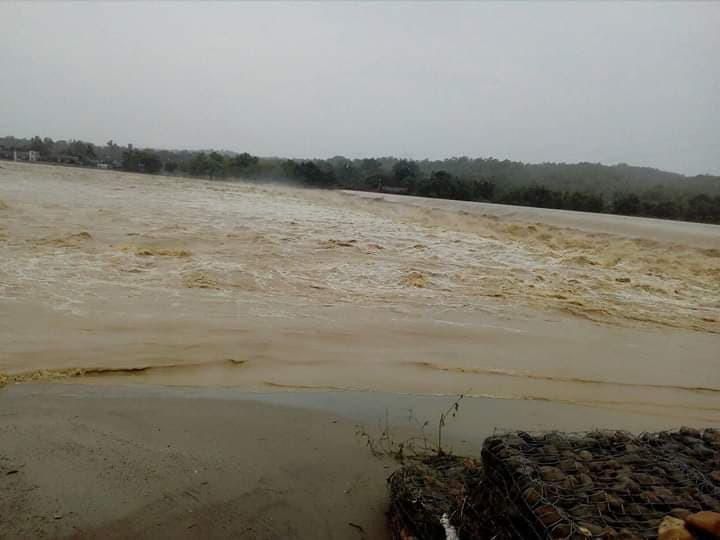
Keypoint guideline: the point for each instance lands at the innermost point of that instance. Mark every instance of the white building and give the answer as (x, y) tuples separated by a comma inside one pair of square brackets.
[(30, 155)]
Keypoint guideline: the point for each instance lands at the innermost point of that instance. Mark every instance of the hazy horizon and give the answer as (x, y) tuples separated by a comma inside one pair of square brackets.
[(553, 82)]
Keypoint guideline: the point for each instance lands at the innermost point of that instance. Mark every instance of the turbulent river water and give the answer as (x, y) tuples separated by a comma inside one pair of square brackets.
[(114, 277)]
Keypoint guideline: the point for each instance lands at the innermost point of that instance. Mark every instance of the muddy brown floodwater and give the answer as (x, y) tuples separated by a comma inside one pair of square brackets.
[(114, 277)]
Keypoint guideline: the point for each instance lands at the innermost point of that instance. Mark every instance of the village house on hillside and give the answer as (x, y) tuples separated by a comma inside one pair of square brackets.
[(19, 155)]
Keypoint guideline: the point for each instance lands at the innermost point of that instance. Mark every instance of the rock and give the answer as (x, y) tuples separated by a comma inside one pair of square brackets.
[(585, 480), (551, 474), (594, 530), (690, 431), (637, 510), (708, 501), (647, 479), (568, 465), (708, 522), (626, 484), (561, 531), (691, 441), (587, 442), (532, 496), (514, 441), (629, 459), (612, 480), (672, 528), (552, 491), (570, 483), (583, 531), (680, 513), (515, 461), (583, 511), (626, 534), (616, 503), (608, 476), (702, 452), (548, 514), (551, 450), (525, 470), (525, 436)]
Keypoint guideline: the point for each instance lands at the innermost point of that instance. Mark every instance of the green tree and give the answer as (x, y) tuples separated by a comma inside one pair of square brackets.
[(405, 171), (369, 167), (242, 163), (199, 165), (308, 172), (483, 190), (151, 162), (216, 165), (141, 161), (627, 204), (43, 146)]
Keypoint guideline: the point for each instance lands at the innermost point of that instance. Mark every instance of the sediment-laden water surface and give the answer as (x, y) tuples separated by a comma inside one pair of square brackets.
[(107, 276)]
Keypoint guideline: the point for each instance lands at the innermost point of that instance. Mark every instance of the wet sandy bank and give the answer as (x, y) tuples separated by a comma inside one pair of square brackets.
[(145, 461), (142, 461), (78, 463)]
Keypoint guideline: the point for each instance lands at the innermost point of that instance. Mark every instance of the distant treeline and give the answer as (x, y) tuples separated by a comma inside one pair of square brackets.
[(589, 187)]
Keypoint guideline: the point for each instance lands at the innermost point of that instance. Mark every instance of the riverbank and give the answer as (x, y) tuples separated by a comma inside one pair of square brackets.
[(142, 461), (85, 464)]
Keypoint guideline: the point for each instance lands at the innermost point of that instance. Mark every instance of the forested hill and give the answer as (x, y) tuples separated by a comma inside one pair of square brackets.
[(589, 177), (593, 187)]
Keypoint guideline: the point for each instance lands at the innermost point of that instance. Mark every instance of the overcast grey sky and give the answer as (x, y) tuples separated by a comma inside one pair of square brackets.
[(615, 82)]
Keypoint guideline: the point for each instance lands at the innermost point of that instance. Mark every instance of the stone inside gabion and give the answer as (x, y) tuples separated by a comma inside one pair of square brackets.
[(556, 485)]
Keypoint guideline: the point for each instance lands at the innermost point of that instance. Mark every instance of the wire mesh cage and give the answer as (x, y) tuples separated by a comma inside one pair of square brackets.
[(602, 484)]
